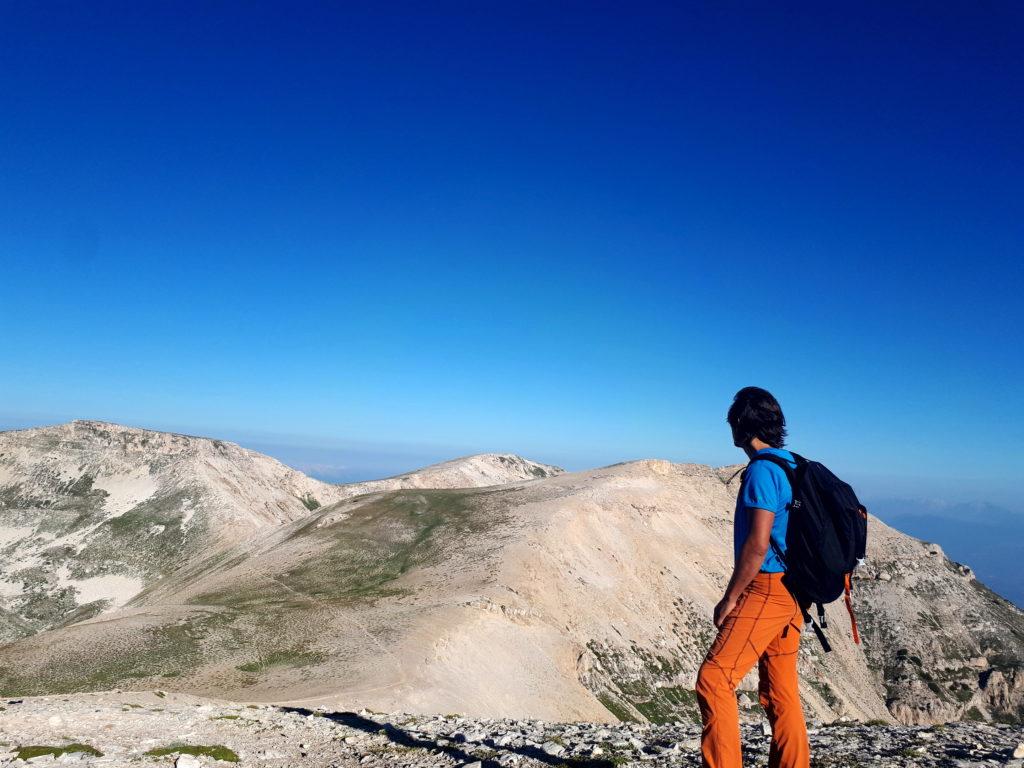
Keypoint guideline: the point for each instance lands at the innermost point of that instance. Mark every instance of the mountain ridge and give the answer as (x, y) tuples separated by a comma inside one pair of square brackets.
[(582, 595), (95, 511)]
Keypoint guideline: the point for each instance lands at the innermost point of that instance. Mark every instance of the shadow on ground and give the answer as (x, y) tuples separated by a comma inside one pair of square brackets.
[(403, 738)]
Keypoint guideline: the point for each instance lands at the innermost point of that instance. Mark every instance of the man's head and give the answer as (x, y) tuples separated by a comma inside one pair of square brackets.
[(755, 413)]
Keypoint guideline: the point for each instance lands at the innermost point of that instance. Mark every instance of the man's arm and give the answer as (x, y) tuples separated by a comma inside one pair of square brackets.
[(749, 562)]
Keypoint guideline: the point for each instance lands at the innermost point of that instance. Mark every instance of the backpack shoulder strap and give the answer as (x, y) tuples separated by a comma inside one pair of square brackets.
[(790, 475), (781, 462)]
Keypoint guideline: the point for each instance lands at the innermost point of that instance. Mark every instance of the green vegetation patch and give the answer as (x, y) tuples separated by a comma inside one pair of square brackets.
[(216, 751), (161, 650), (43, 603), (962, 693), (380, 541), (645, 688), (1009, 718), (147, 540), (286, 657), (82, 613), (27, 753), (667, 702), (82, 486), (383, 540), (826, 692)]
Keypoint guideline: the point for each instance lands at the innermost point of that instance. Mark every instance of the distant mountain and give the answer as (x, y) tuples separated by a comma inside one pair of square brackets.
[(91, 513), (988, 537), (477, 471), (558, 596)]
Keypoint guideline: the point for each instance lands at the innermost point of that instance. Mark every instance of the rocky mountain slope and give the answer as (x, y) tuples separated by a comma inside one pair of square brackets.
[(91, 513), (151, 730), (581, 596)]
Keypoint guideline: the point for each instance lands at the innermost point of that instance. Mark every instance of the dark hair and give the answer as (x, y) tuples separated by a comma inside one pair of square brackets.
[(756, 413)]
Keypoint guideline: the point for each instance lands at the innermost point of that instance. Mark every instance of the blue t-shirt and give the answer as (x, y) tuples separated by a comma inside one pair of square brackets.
[(765, 487)]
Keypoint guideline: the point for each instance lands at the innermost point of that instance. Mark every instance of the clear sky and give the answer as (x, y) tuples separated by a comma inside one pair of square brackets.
[(390, 232)]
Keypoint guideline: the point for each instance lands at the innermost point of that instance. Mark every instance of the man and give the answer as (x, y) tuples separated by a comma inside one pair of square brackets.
[(758, 620)]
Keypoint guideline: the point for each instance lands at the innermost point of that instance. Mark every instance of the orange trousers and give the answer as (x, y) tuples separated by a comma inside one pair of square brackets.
[(763, 628)]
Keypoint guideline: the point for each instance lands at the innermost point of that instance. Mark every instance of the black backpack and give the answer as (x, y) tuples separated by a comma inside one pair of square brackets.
[(825, 538)]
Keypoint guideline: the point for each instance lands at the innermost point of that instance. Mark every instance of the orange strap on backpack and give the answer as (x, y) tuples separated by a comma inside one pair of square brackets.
[(849, 608)]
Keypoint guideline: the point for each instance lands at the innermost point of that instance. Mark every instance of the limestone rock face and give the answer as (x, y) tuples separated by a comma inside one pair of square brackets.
[(562, 596)]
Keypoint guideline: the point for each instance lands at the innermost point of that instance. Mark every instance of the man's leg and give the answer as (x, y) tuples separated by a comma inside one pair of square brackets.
[(762, 611), (779, 693)]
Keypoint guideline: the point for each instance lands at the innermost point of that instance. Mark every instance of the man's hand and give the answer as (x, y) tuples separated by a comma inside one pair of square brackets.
[(749, 562), (724, 608)]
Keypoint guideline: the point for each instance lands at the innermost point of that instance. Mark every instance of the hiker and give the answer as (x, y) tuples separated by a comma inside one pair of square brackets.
[(758, 620)]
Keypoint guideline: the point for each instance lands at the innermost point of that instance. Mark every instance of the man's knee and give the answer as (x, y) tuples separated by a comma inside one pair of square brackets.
[(712, 680)]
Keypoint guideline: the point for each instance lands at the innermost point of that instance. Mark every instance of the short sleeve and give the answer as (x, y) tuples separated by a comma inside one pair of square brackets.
[(762, 489)]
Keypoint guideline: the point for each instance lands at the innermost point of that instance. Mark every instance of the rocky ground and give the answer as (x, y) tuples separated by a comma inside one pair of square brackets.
[(164, 729)]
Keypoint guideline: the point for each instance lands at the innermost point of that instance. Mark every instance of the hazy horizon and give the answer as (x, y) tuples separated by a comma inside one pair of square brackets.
[(977, 530), (339, 460)]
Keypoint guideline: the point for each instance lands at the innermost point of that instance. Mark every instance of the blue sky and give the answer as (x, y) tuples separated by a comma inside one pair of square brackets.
[(366, 236)]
